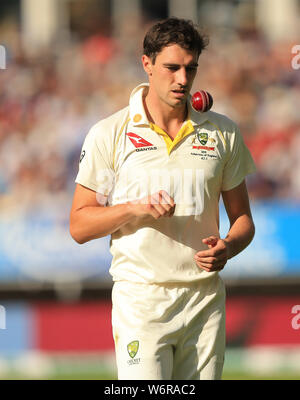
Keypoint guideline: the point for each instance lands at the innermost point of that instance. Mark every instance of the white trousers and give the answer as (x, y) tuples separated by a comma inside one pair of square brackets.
[(169, 331)]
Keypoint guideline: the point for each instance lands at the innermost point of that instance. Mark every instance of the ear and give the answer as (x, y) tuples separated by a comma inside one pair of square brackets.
[(147, 64)]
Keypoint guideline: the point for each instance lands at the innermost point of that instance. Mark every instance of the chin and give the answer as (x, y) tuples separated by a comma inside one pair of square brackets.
[(179, 102), (174, 103)]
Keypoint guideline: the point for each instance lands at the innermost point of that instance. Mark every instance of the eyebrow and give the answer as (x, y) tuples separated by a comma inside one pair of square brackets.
[(178, 65)]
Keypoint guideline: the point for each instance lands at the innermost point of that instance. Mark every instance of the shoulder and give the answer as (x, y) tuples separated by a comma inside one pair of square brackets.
[(225, 128), (104, 133), (109, 126), (222, 122)]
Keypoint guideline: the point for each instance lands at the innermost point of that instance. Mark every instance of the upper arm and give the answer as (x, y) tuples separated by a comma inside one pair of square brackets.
[(84, 197), (236, 202)]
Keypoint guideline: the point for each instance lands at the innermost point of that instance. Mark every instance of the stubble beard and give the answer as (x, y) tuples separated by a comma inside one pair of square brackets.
[(175, 103)]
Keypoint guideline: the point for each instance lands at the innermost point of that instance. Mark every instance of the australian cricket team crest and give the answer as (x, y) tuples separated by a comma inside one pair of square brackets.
[(133, 348), (202, 137), (204, 146)]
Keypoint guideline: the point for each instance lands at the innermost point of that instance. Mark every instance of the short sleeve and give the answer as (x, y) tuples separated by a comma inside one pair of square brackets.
[(239, 163), (95, 170)]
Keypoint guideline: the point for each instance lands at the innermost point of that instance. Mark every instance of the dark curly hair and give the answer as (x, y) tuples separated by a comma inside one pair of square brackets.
[(173, 31)]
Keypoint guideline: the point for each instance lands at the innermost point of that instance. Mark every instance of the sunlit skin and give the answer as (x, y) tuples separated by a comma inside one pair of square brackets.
[(171, 77)]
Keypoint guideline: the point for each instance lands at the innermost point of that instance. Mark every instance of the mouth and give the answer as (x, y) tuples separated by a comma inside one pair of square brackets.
[(179, 92)]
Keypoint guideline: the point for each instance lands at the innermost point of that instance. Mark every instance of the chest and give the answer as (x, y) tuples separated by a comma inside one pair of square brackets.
[(144, 150), (190, 170)]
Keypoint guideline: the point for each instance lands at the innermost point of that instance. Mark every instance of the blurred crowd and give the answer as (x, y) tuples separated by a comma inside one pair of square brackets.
[(253, 83), (49, 101)]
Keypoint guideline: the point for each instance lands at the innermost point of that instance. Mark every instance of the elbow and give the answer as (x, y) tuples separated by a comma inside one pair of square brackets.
[(75, 229), (252, 231), (76, 235)]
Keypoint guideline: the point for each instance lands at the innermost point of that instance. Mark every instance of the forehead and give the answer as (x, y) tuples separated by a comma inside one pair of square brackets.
[(176, 54)]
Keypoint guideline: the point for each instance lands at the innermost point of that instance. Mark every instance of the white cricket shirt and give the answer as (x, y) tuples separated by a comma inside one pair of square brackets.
[(124, 157)]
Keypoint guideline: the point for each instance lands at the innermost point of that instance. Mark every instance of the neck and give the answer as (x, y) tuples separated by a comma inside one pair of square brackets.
[(161, 113)]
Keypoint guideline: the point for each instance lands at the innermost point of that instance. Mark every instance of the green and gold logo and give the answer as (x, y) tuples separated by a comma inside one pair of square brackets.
[(202, 137), (133, 348)]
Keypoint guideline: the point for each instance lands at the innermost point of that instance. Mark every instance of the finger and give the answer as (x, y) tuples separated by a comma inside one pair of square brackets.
[(214, 263), (214, 266), (211, 268), (154, 198), (216, 251), (166, 207), (206, 260), (163, 209), (205, 253), (153, 211), (160, 209), (211, 260), (210, 241), (157, 199), (165, 198), (166, 201), (207, 269), (172, 211)]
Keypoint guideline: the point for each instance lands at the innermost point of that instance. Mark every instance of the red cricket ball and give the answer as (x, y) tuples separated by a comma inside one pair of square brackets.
[(202, 101)]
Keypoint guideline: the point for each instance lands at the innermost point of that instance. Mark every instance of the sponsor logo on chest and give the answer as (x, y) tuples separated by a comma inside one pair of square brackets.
[(140, 143)]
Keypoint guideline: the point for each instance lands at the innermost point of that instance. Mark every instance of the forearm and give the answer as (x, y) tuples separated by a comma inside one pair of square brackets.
[(240, 235), (90, 223)]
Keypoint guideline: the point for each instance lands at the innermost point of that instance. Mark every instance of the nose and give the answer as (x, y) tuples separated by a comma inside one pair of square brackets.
[(182, 77)]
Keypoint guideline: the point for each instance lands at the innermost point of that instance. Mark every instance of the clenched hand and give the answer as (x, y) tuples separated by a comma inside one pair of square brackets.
[(215, 258)]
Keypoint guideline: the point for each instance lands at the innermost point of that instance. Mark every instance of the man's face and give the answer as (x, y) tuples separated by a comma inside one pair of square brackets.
[(171, 76)]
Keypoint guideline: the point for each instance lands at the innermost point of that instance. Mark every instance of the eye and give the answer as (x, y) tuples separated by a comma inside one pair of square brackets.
[(172, 68), (191, 69)]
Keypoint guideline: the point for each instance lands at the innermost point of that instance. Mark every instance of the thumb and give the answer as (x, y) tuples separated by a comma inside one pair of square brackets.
[(211, 241)]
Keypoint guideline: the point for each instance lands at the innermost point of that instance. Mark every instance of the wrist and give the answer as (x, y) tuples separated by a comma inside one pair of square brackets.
[(229, 248), (130, 209)]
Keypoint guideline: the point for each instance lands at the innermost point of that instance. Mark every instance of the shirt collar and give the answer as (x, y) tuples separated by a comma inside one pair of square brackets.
[(138, 115), (136, 107)]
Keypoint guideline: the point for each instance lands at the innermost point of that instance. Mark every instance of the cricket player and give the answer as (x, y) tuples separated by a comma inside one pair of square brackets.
[(151, 176)]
